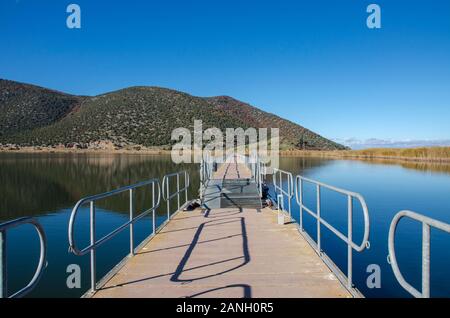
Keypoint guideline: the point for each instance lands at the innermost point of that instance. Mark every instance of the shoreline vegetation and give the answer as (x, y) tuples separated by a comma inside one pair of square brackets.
[(422, 154), (97, 147)]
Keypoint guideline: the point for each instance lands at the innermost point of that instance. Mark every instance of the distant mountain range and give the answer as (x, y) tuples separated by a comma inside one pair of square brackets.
[(136, 116)]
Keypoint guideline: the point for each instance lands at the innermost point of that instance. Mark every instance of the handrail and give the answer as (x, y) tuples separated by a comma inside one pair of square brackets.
[(261, 172), (320, 221), (94, 243), (279, 190), (206, 172), (166, 189), (92, 199), (3, 256), (167, 195), (427, 223), (209, 164)]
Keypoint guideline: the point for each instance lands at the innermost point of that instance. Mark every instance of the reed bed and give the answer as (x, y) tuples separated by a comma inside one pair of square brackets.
[(432, 154)]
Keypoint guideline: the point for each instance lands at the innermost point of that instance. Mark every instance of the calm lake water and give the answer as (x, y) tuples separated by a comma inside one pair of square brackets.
[(48, 185)]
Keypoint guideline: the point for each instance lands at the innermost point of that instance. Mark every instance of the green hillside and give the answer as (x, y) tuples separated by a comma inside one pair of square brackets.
[(141, 116), (26, 107)]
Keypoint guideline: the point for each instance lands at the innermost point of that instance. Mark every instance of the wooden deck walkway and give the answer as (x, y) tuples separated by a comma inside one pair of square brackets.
[(232, 186), (222, 253), (233, 249), (232, 171)]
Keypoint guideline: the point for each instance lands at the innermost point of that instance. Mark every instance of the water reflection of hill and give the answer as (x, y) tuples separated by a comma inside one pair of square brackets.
[(299, 164), (34, 184), (41, 183)]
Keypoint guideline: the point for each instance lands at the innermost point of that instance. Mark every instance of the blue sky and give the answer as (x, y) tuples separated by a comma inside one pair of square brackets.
[(313, 62)]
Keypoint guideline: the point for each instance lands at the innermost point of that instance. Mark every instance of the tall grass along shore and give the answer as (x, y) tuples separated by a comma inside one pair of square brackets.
[(430, 154)]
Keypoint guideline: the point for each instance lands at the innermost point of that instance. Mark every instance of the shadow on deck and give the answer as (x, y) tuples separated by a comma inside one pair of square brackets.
[(231, 253)]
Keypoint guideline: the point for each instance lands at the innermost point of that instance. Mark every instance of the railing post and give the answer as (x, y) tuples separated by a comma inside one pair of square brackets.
[(93, 252), (280, 216), (202, 178), (319, 250), (131, 219), (3, 266), (178, 191), (168, 199), (301, 203), (289, 195), (186, 186), (425, 260), (281, 182), (153, 212), (259, 179), (349, 246)]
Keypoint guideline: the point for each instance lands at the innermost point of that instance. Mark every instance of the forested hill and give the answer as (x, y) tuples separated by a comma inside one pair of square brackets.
[(139, 116)]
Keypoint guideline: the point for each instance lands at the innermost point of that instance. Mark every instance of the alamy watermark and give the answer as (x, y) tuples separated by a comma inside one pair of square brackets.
[(73, 21), (374, 279), (262, 144), (374, 18), (74, 278)]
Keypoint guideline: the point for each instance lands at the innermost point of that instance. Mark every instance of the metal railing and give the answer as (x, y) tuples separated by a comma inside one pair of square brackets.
[(427, 223), (167, 195), (94, 243), (278, 179), (261, 172), (206, 173), (3, 257), (299, 180), (210, 164)]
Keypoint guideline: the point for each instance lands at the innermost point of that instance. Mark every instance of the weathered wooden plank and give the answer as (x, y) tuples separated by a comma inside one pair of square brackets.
[(232, 170)]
